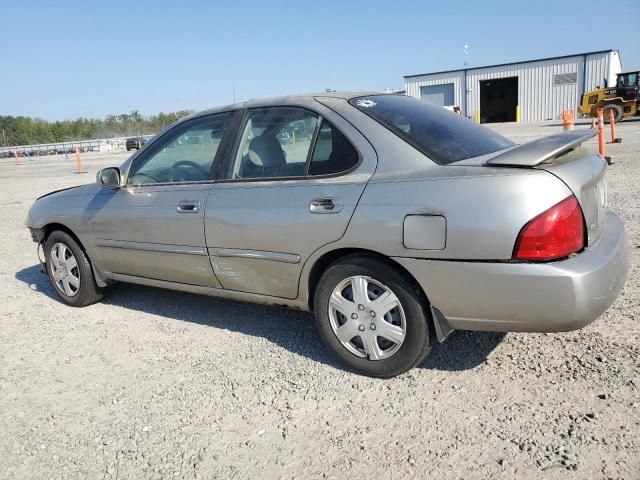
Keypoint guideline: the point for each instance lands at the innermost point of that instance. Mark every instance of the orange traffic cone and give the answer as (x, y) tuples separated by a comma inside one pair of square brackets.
[(79, 162), (612, 122), (567, 119), (601, 143)]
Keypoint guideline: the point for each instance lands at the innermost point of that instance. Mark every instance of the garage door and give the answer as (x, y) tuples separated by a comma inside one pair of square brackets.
[(440, 95)]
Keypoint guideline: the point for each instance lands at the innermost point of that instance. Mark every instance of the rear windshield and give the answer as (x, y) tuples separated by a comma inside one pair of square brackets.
[(443, 136)]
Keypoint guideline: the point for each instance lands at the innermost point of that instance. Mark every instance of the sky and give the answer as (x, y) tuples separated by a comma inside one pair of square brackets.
[(68, 59)]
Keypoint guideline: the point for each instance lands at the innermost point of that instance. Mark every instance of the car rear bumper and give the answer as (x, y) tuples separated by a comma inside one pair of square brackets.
[(533, 297)]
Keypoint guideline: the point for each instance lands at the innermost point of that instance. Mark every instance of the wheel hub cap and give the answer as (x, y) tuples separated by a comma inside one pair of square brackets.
[(367, 318), (64, 267)]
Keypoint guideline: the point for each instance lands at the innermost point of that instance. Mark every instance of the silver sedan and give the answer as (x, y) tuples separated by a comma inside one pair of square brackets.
[(394, 221)]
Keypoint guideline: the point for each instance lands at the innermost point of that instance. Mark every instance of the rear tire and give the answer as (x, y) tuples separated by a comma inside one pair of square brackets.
[(70, 271), (618, 113), (382, 339)]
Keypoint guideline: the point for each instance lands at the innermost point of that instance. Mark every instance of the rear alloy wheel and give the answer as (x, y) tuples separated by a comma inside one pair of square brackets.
[(618, 113), (371, 316), (69, 271), (367, 318)]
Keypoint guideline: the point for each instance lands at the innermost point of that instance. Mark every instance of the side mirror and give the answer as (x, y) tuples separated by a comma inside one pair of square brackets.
[(109, 177)]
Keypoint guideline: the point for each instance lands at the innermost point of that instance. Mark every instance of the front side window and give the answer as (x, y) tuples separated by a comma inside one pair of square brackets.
[(185, 156), (442, 136)]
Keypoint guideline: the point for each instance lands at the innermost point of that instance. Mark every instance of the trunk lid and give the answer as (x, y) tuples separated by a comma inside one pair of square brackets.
[(564, 156), (584, 173)]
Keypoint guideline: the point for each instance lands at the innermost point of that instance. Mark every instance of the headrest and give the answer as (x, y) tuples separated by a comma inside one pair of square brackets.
[(265, 151)]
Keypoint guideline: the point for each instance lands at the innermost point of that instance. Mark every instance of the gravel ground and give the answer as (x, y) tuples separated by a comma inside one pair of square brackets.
[(157, 384)]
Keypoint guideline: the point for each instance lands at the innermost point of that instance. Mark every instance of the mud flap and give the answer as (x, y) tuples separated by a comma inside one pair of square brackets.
[(442, 327)]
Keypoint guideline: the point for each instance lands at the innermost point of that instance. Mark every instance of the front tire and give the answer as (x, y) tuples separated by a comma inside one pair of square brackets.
[(618, 113), (70, 271), (372, 317)]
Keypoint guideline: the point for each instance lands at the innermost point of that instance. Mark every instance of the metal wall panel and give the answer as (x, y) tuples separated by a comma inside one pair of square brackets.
[(538, 97), (601, 66), (457, 78)]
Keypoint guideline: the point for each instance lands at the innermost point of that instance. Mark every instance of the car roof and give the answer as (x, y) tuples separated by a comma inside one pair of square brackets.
[(286, 99)]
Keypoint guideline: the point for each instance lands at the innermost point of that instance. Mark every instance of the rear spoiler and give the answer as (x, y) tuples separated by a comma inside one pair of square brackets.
[(537, 151)]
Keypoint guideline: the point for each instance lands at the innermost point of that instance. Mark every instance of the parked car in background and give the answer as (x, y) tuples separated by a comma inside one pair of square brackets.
[(393, 220), (135, 143)]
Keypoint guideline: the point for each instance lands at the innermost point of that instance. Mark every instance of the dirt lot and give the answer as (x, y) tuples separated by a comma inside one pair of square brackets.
[(156, 384)]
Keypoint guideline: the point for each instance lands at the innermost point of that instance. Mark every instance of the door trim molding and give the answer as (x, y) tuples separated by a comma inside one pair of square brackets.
[(151, 247), (255, 254)]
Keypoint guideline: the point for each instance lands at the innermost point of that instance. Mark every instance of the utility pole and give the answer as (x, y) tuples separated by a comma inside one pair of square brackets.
[(4, 138)]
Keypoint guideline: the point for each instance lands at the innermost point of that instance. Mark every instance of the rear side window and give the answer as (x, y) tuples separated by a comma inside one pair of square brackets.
[(442, 136), (275, 143), (289, 142), (332, 153)]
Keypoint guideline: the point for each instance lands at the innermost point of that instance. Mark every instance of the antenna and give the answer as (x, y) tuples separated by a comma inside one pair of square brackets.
[(466, 53)]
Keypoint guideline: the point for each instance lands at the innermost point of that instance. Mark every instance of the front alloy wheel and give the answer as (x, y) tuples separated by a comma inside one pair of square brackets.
[(65, 269), (70, 271)]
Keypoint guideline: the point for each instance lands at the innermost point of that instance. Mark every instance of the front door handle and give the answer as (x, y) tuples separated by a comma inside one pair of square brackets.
[(189, 206), (323, 205)]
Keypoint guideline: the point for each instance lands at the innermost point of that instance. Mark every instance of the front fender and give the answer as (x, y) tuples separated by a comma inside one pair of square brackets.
[(68, 210)]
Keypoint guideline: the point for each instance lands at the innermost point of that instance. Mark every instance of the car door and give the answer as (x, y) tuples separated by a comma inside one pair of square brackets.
[(291, 185), (152, 226)]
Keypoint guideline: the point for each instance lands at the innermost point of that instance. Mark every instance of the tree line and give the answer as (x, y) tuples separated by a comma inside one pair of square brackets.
[(28, 131)]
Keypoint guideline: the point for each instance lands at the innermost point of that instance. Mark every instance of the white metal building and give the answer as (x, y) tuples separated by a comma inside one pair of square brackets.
[(519, 91)]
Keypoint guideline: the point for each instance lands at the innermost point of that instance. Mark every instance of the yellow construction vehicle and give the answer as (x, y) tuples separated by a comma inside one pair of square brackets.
[(623, 98)]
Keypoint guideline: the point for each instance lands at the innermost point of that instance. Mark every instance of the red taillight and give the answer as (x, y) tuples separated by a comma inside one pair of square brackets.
[(556, 233)]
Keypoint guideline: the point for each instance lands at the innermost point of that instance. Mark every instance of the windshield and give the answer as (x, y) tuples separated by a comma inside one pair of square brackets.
[(441, 135), (628, 80)]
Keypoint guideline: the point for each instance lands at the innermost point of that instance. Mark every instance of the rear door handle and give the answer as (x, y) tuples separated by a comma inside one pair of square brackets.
[(323, 205), (189, 206)]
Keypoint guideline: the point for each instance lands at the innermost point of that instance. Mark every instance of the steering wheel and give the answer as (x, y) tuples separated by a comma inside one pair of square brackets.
[(186, 171)]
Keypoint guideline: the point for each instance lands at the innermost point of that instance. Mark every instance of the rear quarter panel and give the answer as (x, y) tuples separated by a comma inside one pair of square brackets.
[(484, 208)]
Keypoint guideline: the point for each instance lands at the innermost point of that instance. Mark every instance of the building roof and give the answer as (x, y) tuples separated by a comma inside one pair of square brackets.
[(511, 63)]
